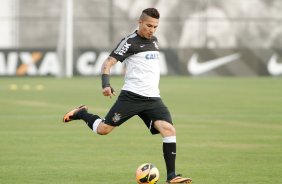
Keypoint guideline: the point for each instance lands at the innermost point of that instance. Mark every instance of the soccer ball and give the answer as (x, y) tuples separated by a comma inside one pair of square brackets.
[(147, 174)]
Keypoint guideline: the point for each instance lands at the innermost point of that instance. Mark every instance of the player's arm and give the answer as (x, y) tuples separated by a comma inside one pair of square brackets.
[(105, 71)]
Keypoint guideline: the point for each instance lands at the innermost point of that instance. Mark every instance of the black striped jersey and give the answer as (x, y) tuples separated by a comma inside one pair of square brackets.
[(141, 58)]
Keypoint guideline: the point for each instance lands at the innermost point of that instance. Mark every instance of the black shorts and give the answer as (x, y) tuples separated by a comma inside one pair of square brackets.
[(129, 104)]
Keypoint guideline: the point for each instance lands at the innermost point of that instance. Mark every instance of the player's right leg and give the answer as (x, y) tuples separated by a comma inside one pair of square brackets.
[(159, 117), (179, 179)]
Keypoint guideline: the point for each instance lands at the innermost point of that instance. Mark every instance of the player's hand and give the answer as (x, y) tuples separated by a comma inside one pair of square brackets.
[(109, 91)]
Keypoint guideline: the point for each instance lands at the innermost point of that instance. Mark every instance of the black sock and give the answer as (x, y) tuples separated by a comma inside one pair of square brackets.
[(169, 150), (88, 118)]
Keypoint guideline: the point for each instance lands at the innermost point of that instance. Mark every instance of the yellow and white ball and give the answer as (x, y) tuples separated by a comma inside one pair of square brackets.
[(147, 173)]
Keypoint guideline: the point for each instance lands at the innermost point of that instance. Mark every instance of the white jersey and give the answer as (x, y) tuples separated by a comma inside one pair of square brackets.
[(141, 57)]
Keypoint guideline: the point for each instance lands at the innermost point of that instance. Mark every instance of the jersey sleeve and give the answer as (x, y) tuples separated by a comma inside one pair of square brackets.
[(123, 50)]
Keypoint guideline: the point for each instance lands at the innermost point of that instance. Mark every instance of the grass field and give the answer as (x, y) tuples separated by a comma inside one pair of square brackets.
[(229, 131)]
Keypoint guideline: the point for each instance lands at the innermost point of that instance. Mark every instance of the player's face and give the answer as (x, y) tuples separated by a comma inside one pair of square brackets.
[(147, 27)]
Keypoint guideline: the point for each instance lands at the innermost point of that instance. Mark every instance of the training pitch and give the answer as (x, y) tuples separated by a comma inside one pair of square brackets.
[(229, 131)]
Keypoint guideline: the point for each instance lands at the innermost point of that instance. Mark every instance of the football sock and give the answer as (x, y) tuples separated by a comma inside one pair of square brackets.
[(169, 151), (96, 124), (88, 118)]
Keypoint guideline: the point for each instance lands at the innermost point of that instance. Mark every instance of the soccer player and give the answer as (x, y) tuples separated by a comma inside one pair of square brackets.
[(140, 93)]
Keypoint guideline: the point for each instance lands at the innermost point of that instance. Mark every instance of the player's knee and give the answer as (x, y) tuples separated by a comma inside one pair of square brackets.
[(104, 129), (165, 128), (103, 132), (170, 128)]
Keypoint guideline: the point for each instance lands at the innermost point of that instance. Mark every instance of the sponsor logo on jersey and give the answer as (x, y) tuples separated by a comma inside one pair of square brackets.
[(124, 49), (152, 56)]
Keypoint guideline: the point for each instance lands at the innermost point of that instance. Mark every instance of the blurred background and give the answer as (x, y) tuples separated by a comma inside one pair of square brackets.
[(209, 28)]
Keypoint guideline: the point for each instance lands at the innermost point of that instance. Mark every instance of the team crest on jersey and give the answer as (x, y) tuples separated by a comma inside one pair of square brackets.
[(156, 45), (116, 117)]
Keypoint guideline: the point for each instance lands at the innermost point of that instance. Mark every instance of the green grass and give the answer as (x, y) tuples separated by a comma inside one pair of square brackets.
[(229, 131)]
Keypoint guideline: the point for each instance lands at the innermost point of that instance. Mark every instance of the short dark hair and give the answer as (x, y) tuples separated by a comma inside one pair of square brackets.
[(152, 12)]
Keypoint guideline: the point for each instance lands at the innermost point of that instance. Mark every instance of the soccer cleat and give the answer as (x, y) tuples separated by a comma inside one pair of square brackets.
[(179, 179), (72, 115)]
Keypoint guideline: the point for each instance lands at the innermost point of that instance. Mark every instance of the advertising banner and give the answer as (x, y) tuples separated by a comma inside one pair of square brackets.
[(190, 62)]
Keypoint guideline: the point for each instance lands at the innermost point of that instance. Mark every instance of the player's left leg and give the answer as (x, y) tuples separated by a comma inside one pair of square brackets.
[(74, 113), (123, 109), (93, 121)]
